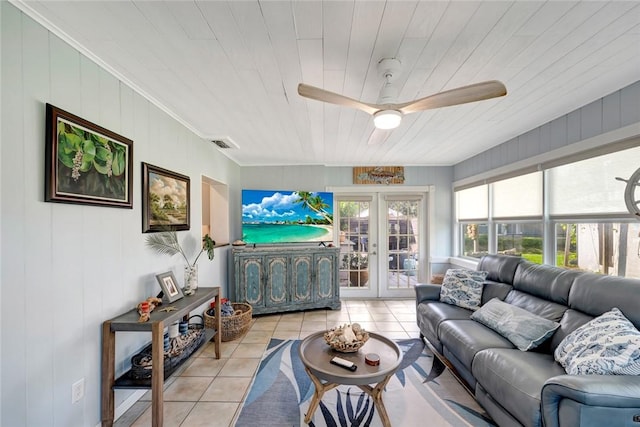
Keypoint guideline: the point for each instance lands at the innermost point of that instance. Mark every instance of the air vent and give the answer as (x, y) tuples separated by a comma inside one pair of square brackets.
[(223, 142), (220, 143)]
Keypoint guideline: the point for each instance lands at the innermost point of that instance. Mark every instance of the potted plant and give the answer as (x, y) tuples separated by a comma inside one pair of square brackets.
[(357, 264), (166, 242)]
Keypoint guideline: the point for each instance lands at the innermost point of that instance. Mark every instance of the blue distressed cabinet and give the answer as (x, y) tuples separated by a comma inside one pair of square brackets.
[(275, 280)]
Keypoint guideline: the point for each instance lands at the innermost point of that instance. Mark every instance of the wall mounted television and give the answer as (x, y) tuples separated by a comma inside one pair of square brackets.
[(270, 216)]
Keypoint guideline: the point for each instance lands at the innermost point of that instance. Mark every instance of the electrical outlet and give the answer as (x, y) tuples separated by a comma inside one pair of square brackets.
[(77, 391)]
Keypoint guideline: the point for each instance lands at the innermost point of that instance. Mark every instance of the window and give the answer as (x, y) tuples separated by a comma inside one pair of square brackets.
[(475, 239), (611, 248), (590, 186), (585, 214), (521, 238)]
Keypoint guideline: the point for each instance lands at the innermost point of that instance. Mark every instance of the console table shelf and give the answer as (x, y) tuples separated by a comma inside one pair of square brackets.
[(126, 382), (156, 324)]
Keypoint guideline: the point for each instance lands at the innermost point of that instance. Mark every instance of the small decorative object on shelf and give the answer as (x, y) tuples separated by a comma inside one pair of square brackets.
[(146, 307), (166, 242), (346, 338)]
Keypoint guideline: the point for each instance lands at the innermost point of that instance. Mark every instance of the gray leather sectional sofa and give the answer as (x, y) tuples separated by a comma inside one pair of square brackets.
[(529, 388)]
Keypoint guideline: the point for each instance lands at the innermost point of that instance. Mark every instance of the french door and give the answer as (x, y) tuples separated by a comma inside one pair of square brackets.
[(382, 243)]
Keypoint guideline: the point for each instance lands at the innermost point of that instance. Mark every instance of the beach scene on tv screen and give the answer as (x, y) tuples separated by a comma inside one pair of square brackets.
[(286, 216)]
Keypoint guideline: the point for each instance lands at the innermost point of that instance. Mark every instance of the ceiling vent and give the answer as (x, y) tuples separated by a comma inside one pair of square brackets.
[(224, 143)]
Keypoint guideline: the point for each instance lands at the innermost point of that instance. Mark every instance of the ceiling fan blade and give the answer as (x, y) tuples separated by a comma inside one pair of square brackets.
[(318, 94), (461, 95), (379, 136)]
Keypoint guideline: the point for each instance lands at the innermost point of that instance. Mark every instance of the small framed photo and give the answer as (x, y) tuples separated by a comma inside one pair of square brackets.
[(169, 286), (165, 200), (86, 163)]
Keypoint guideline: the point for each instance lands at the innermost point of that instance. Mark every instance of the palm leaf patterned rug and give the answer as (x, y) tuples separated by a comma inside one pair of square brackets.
[(422, 392)]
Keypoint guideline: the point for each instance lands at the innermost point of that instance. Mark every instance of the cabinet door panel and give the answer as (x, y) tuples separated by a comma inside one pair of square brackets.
[(251, 271), (324, 277), (302, 279), (276, 280)]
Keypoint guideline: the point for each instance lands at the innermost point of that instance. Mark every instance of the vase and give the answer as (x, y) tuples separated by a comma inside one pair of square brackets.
[(358, 278), (190, 279)]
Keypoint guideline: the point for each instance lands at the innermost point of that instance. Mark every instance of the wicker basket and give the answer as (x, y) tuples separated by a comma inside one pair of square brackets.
[(141, 362), (232, 326)]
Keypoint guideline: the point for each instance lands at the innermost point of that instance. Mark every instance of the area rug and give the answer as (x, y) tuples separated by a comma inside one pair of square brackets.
[(422, 392)]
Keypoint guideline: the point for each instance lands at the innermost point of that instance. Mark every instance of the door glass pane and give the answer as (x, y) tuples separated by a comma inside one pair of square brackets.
[(403, 237), (354, 243)]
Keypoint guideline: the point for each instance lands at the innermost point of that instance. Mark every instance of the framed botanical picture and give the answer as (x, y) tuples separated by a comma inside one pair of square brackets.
[(169, 286), (85, 163), (165, 200)]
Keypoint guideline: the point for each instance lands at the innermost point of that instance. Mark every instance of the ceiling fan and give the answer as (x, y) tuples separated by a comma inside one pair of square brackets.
[(387, 115)]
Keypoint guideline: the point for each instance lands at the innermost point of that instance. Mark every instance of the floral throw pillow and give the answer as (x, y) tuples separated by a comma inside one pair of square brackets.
[(463, 287), (606, 345)]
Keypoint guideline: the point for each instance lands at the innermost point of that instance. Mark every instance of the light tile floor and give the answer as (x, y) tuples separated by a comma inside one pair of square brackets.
[(209, 392)]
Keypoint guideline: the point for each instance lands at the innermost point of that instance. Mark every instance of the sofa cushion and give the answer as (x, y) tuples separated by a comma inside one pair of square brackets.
[(595, 294), (501, 268), (533, 304), (608, 344), (524, 329), (463, 287), (515, 379), (431, 314), (571, 321), (545, 281), (491, 290), (464, 338)]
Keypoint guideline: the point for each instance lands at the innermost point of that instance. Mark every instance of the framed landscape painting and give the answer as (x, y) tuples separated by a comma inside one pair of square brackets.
[(165, 200), (85, 163)]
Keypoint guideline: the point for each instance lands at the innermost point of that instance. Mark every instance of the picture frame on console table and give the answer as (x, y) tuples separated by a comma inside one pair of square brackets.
[(166, 201), (85, 163), (169, 286)]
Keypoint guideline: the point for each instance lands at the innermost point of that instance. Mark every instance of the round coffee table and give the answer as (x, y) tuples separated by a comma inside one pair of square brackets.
[(316, 354)]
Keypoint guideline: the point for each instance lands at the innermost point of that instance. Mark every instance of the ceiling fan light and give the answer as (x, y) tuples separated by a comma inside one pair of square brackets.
[(387, 119)]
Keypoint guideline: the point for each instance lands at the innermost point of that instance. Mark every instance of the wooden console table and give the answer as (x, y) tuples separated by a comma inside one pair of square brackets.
[(129, 322)]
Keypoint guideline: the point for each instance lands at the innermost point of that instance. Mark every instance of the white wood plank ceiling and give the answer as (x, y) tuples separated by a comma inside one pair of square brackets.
[(230, 69)]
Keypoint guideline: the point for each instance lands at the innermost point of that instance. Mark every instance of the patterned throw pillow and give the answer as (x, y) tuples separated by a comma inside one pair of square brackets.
[(523, 328), (606, 345), (463, 287)]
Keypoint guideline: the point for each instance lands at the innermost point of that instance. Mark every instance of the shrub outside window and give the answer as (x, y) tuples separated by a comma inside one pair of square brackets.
[(522, 239)]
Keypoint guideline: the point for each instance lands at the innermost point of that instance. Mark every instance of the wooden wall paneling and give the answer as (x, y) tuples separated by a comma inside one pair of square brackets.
[(13, 224), (630, 104), (574, 127), (559, 135), (68, 276), (545, 137), (37, 284), (591, 119), (611, 117)]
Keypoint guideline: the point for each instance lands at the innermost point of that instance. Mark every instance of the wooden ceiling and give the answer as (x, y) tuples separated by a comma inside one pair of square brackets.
[(229, 69)]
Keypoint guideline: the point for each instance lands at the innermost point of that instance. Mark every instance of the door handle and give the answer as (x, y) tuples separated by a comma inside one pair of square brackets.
[(373, 253)]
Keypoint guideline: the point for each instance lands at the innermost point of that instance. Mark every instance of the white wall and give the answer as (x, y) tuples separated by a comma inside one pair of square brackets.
[(67, 268)]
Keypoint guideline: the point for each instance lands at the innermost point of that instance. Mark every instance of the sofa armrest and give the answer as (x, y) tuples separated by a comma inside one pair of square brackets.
[(426, 292), (608, 391)]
